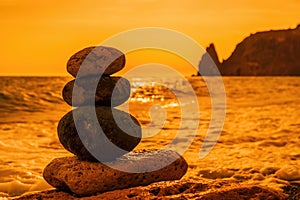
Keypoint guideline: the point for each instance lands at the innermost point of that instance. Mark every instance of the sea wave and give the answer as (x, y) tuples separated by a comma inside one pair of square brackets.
[(30, 94), (39, 94)]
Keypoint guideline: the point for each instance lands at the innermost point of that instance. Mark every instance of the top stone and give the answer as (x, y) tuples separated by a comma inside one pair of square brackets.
[(96, 61)]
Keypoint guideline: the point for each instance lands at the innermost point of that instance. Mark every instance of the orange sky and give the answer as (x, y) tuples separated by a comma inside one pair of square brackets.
[(38, 37)]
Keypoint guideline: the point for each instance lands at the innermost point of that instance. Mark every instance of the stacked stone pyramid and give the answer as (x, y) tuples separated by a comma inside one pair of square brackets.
[(102, 137)]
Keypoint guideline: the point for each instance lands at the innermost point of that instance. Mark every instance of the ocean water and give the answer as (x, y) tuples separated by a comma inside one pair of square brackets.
[(260, 141)]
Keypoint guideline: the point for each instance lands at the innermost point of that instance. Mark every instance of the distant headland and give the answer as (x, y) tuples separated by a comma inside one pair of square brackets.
[(268, 53)]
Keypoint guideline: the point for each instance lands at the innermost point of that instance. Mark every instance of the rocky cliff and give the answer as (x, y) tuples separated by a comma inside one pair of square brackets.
[(269, 53)]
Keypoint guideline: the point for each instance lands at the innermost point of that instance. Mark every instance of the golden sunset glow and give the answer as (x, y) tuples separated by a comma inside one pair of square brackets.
[(38, 37)]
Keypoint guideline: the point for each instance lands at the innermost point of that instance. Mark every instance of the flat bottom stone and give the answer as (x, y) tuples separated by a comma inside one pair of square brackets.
[(136, 169)]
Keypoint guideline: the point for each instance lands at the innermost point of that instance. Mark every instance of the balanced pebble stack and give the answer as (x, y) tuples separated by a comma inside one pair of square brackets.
[(109, 91), (100, 136)]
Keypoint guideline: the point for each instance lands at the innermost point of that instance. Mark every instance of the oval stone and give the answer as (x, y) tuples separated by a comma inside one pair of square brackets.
[(111, 91), (89, 178), (105, 137), (96, 61)]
